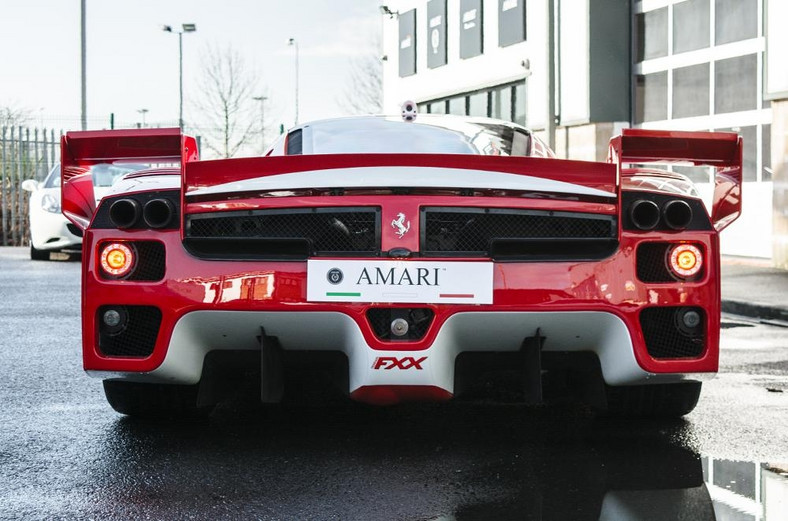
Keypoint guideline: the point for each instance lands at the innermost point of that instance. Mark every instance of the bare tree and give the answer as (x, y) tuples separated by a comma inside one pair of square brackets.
[(364, 93), (12, 116), (226, 102)]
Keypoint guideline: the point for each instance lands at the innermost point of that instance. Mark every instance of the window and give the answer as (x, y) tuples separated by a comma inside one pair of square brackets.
[(520, 104), (457, 106), (697, 174), (652, 34), (735, 20), (407, 43), (471, 39), (511, 22), (502, 103), (691, 91), (477, 104), (438, 107), (690, 26), (750, 151), (734, 84), (506, 102), (651, 97), (436, 33)]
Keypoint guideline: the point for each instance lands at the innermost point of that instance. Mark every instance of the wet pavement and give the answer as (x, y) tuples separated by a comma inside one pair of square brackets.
[(64, 454), (752, 287)]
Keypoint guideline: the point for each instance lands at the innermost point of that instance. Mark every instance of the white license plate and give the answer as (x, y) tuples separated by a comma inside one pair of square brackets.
[(408, 281)]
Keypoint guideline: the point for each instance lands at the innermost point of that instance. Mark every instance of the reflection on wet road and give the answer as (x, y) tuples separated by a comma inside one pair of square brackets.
[(471, 462), (65, 454)]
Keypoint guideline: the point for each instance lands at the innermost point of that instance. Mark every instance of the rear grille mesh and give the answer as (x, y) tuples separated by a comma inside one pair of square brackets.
[(285, 233), (517, 233), (666, 338)]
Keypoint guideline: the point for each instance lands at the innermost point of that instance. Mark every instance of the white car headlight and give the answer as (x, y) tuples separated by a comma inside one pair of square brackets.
[(50, 204)]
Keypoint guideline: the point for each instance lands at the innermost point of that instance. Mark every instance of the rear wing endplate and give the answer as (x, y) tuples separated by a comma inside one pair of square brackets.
[(721, 150), (80, 150)]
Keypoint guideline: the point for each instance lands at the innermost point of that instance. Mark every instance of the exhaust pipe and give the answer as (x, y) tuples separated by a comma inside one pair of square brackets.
[(678, 214), (124, 213), (644, 214), (158, 213)]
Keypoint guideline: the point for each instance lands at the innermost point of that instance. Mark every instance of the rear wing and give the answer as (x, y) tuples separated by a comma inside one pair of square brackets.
[(80, 150), (721, 150), (221, 177)]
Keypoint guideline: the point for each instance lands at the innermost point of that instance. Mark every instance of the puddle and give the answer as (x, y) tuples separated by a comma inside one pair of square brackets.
[(746, 491), (665, 484)]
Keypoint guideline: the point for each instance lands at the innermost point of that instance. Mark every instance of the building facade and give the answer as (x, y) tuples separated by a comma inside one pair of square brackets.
[(660, 64)]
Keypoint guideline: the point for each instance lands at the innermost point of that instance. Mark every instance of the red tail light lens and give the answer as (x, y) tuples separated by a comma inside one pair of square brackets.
[(117, 259), (686, 260)]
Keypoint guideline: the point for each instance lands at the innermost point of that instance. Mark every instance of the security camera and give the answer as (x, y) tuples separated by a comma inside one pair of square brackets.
[(409, 110)]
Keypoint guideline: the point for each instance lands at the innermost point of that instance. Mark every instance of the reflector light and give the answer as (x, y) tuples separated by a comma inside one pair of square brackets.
[(686, 260), (117, 259)]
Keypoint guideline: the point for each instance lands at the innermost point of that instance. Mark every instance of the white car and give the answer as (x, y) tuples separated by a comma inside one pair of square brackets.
[(50, 231)]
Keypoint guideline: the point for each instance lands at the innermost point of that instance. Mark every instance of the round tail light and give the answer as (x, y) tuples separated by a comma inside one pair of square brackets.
[(686, 260), (117, 260)]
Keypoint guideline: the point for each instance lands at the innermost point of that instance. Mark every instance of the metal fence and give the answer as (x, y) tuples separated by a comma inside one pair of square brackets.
[(25, 153)]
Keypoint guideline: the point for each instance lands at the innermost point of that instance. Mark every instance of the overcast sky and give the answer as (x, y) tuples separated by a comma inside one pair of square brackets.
[(133, 64)]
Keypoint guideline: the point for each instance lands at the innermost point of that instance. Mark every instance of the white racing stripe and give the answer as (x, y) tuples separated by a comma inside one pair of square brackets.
[(402, 177)]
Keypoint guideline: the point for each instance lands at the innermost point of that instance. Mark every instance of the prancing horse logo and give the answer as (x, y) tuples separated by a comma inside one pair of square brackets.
[(400, 226)]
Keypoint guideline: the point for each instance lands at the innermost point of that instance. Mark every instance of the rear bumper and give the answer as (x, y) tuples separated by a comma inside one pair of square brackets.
[(200, 332), (211, 305)]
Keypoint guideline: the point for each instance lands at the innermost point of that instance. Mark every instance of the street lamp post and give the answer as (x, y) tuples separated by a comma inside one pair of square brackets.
[(262, 100), (143, 112), (294, 43), (185, 28), (550, 122), (83, 61)]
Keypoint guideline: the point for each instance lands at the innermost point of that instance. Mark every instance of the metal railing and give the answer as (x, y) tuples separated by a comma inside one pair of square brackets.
[(25, 153)]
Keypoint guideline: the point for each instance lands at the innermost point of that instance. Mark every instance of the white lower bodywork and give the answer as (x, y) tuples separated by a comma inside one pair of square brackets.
[(200, 332)]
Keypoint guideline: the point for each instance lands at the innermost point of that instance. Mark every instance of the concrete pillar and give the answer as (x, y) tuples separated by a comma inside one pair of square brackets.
[(780, 183)]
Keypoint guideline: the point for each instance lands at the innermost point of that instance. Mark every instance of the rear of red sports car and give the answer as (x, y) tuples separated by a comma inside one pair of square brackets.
[(403, 261)]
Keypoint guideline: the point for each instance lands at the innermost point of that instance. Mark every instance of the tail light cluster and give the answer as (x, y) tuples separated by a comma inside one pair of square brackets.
[(670, 262), (647, 212), (141, 261), (144, 210)]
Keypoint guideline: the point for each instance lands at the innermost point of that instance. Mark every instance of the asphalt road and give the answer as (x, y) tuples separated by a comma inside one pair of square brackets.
[(65, 454)]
